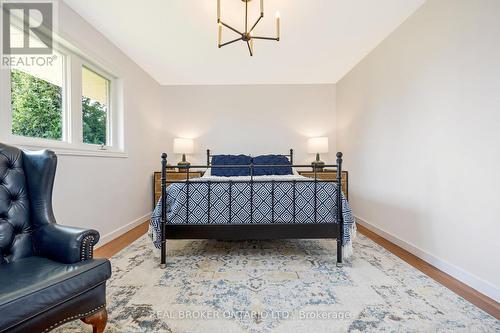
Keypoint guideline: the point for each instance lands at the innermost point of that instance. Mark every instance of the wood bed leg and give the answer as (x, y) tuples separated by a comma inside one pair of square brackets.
[(98, 321)]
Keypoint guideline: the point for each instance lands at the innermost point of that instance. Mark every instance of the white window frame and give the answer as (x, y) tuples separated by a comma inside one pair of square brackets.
[(72, 136)]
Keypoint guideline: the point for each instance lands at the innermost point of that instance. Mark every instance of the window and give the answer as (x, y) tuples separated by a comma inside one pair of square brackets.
[(95, 106), (37, 100), (67, 105)]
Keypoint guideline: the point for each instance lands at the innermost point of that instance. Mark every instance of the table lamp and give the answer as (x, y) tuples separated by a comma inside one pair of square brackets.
[(183, 146), (317, 146)]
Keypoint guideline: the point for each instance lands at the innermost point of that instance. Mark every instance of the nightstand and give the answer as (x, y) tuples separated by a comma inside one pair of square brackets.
[(171, 175), (327, 174)]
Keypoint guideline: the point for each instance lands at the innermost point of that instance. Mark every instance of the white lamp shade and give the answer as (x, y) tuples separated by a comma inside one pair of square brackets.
[(317, 145), (183, 146)]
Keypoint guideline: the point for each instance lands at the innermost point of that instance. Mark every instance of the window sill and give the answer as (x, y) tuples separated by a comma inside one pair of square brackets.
[(91, 153), (61, 148), (79, 152)]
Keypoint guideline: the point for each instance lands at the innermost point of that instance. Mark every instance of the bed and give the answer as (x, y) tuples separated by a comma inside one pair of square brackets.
[(245, 198)]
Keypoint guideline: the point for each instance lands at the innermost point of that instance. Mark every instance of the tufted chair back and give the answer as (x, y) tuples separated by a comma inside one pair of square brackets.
[(21, 198)]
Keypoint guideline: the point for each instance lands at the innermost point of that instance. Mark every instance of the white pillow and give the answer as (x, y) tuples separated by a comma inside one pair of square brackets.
[(208, 172)]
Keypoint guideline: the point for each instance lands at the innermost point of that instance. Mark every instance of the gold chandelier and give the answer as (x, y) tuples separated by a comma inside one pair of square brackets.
[(247, 36)]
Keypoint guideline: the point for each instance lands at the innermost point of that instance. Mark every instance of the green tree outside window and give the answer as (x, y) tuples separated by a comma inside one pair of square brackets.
[(36, 107), (94, 122)]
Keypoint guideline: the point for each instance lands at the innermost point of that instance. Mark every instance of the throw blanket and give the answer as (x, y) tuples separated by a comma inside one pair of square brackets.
[(222, 188)]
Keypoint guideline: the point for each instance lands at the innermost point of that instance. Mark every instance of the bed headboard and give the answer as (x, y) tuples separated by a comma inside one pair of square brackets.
[(209, 157)]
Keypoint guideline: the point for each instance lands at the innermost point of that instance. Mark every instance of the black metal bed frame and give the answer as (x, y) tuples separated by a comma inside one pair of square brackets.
[(251, 231)]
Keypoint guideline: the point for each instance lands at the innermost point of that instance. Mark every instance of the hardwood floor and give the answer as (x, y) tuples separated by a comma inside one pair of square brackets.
[(116, 245), (472, 295), (475, 297)]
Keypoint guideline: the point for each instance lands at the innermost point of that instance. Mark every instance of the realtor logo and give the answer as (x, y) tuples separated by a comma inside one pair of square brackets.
[(33, 19)]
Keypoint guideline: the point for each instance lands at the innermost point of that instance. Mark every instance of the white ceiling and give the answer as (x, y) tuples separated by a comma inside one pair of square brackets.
[(175, 41)]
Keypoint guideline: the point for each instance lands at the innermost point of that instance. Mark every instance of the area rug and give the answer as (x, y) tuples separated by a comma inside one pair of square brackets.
[(278, 286)]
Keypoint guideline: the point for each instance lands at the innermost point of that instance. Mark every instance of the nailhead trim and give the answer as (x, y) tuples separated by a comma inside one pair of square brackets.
[(87, 250), (77, 316)]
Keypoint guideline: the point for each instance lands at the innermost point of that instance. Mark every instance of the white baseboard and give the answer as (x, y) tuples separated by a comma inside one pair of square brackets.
[(469, 279), (120, 231)]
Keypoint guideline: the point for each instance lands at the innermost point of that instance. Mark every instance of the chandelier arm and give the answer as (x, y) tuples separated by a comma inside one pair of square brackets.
[(230, 42), (266, 38), (249, 49), (256, 22), (231, 28)]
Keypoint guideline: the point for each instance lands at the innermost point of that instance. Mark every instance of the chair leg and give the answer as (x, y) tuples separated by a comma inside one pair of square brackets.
[(98, 321)]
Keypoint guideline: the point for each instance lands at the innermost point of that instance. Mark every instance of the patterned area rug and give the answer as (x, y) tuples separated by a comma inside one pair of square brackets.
[(278, 286)]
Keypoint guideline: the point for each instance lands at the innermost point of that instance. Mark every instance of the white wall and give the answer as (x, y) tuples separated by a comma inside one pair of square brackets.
[(419, 123), (251, 119), (111, 193)]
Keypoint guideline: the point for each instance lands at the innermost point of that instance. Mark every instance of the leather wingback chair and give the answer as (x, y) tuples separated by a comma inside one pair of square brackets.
[(47, 274)]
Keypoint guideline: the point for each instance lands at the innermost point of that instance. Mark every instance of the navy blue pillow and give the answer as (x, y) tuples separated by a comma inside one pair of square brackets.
[(270, 160), (230, 160)]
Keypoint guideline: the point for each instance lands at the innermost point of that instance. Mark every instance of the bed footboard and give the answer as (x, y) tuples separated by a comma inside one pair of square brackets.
[(251, 230)]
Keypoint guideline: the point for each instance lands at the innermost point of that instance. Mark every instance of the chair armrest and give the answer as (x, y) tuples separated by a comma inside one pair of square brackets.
[(65, 244)]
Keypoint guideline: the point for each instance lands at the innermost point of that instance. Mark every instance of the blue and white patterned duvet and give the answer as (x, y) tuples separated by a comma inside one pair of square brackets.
[(222, 188)]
